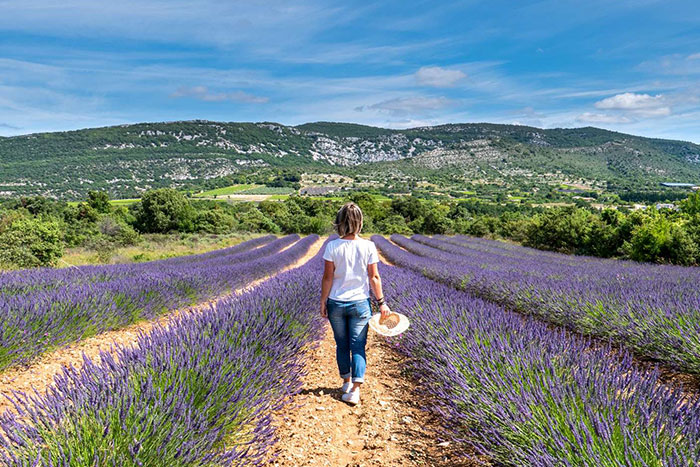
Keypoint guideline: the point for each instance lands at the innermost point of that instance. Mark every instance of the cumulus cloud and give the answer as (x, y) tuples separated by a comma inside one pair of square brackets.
[(589, 117), (402, 106), (438, 77), (631, 104), (631, 101), (203, 93)]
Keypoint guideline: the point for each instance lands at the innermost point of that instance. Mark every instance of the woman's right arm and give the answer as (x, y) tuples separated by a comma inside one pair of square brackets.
[(326, 284)]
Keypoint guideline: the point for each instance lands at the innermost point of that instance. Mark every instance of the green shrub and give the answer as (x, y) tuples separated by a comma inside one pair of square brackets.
[(29, 242), (214, 221), (394, 224), (255, 221), (560, 229), (164, 210), (99, 201), (660, 240), (117, 231)]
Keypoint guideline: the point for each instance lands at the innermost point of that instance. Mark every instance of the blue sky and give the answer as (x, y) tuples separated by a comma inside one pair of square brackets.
[(631, 66)]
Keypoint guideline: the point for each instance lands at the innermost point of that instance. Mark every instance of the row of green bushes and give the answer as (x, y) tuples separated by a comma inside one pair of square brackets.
[(34, 231)]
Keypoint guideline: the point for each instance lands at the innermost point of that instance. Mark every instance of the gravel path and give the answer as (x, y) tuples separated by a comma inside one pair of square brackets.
[(387, 428)]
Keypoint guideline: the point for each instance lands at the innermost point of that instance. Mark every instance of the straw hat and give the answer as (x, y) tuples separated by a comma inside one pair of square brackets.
[(392, 325)]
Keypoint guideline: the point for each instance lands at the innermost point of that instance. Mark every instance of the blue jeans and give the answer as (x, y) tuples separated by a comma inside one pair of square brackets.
[(349, 322)]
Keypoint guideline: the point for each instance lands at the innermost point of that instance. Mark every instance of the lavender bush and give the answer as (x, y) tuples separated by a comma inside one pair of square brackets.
[(525, 394), (198, 391), (651, 309), (63, 306)]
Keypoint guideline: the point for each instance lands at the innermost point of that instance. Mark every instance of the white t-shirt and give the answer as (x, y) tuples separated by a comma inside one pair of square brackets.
[(351, 258)]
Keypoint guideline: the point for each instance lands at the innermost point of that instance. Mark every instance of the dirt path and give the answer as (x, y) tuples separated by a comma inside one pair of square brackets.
[(40, 374), (387, 428)]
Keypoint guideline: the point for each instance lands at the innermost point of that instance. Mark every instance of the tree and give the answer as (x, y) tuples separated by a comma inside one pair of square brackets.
[(99, 201), (215, 221), (660, 240), (410, 207), (30, 242), (370, 208), (560, 229), (164, 210), (394, 224), (691, 205), (436, 222), (253, 220), (36, 205), (116, 231)]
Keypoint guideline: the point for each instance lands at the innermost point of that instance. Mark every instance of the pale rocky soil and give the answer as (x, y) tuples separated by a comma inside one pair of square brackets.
[(40, 374), (387, 428)]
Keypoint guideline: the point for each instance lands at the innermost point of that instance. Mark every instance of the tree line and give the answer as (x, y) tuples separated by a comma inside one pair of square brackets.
[(34, 231)]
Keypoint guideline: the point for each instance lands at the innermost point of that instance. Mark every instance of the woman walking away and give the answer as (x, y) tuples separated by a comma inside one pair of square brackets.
[(350, 270)]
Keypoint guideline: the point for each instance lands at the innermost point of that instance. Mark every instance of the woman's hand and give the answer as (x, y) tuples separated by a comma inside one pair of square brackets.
[(385, 311), (324, 310)]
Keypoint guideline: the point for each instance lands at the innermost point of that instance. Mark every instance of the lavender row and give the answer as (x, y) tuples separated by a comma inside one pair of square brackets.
[(522, 393), (34, 322), (199, 391), (653, 310), (26, 280)]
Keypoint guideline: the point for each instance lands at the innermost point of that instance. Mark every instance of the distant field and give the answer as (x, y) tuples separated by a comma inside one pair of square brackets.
[(124, 202), (227, 190), (267, 190)]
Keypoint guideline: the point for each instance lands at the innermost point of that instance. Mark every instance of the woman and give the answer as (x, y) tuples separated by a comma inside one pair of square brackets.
[(349, 272)]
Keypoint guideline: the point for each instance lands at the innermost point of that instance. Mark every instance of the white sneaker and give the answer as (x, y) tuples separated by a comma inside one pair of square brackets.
[(352, 397), (346, 387)]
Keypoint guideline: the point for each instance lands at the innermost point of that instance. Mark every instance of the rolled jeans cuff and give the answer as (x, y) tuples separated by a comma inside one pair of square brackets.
[(346, 375), (358, 380)]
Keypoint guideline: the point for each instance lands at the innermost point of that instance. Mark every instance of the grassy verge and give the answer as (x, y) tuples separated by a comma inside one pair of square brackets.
[(156, 246)]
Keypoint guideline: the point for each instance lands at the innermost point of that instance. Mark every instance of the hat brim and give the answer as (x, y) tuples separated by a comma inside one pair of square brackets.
[(383, 330)]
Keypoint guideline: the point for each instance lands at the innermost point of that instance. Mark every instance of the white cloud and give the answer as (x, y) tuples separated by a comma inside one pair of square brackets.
[(637, 105), (631, 101), (588, 117), (402, 106), (694, 56), (203, 93), (438, 77)]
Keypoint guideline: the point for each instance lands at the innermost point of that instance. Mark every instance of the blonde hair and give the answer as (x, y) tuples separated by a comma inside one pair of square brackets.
[(348, 220)]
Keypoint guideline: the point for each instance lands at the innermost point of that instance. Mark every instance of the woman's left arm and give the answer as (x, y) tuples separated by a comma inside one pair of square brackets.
[(375, 281)]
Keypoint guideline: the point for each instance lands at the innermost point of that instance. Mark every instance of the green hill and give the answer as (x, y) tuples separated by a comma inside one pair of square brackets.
[(127, 159)]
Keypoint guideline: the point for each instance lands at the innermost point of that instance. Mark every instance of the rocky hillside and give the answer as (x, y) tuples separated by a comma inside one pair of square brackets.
[(128, 159)]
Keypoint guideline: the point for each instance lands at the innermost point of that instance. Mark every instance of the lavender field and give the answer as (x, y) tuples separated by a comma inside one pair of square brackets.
[(506, 385), (46, 308), (524, 394), (654, 310), (199, 391)]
